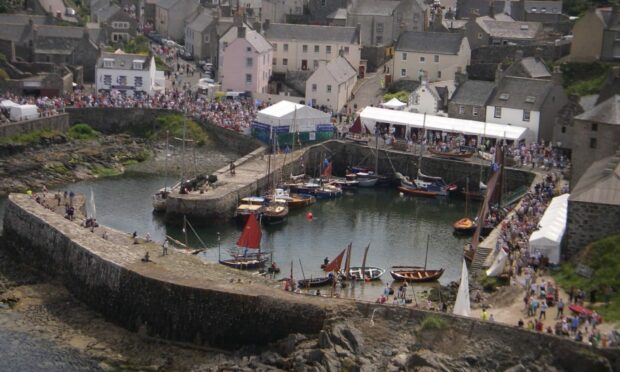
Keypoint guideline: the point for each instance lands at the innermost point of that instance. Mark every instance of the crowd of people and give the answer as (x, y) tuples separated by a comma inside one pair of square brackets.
[(46, 106)]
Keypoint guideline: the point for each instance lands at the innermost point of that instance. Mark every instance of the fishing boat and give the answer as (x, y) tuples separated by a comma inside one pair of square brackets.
[(434, 184), (250, 239), (250, 205), (465, 226), (459, 153), (331, 268), (315, 282), (345, 183), (294, 200), (416, 274), (275, 211), (370, 272), (367, 179), (409, 187), (327, 191)]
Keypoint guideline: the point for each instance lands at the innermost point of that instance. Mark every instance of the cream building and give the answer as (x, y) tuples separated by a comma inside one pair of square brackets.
[(436, 55), (331, 84), (303, 47)]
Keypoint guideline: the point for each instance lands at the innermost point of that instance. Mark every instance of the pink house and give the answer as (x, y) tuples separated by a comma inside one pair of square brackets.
[(247, 62)]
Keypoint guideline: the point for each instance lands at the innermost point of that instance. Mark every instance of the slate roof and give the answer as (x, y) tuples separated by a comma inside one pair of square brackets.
[(464, 7), (21, 19), (509, 30), (340, 69), (105, 13), (257, 41), (201, 22), (550, 7), (607, 112), (285, 31), (340, 13), (430, 42), (124, 61), (15, 33), (375, 7), (60, 32), (600, 184), (474, 93), (531, 67), (519, 90)]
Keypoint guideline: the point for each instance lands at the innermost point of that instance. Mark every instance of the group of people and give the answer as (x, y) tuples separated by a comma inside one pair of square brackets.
[(46, 106)]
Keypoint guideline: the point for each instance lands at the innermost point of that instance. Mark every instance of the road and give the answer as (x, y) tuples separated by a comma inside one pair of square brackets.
[(55, 6), (369, 90)]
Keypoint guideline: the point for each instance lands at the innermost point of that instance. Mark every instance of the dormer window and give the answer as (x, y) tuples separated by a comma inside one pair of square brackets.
[(138, 64), (108, 62), (504, 96)]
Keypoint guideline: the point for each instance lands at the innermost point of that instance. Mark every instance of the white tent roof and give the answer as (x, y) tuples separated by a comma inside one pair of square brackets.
[(394, 103), (371, 115), (548, 237), (286, 113), (7, 104)]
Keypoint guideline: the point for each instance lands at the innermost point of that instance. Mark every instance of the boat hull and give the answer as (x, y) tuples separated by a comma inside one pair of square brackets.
[(245, 263), (416, 276), (315, 282), (367, 182), (370, 273), (464, 226), (417, 192), (451, 155)]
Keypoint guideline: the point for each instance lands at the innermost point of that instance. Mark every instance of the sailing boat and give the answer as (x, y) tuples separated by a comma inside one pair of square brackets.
[(465, 225), (159, 199), (416, 274), (275, 210), (332, 268), (462, 306), (249, 239), (365, 272)]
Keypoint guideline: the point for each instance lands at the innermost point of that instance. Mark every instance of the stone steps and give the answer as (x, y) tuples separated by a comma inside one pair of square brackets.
[(480, 257)]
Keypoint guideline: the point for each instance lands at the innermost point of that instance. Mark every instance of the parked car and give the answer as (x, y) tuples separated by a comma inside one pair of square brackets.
[(70, 12), (186, 55), (155, 36)]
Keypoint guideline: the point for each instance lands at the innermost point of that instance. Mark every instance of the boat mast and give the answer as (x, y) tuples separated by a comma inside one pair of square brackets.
[(218, 247), (428, 238), (466, 196), (185, 230), (183, 154), (166, 162)]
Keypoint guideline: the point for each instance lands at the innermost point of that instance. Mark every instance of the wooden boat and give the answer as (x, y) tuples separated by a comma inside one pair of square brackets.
[(345, 184), (458, 154), (370, 273), (367, 179), (315, 282), (417, 192), (434, 184), (275, 212), (464, 226), (251, 205), (418, 275), (249, 240), (327, 192)]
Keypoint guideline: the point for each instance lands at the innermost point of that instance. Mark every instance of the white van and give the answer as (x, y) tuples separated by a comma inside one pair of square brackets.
[(24, 112)]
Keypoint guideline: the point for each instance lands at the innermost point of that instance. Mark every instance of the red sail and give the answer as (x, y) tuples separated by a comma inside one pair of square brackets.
[(335, 264), (251, 235), (327, 172)]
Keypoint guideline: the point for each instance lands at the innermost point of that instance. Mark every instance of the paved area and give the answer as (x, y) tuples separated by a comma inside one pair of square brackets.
[(55, 6), (370, 90)]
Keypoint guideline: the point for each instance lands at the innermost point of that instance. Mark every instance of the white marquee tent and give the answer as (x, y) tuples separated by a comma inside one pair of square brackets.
[(394, 104), (370, 116), (548, 238), (7, 104), (297, 117)]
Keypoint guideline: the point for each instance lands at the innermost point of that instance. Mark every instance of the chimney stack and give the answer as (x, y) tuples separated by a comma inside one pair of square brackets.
[(241, 32)]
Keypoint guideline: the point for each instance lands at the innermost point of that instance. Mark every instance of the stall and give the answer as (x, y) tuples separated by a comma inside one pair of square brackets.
[(394, 104), (287, 121), (547, 240)]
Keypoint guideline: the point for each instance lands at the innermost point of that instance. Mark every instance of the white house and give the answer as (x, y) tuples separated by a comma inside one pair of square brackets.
[(425, 99), (247, 63), (301, 47), (436, 55), (130, 74), (530, 103), (331, 84)]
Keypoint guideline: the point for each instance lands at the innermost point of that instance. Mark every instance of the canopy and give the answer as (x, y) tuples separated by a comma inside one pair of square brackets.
[(297, 117), (370, 116), (547, 239), (7, 104), (394, 104)]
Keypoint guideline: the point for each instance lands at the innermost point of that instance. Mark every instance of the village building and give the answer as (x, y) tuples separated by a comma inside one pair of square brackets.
[(134, 75), (596, 36), (331, 85), (470, 99), (171, 16), (485, 31)]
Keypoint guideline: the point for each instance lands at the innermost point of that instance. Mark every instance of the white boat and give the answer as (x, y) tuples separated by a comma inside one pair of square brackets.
[(366, 179)]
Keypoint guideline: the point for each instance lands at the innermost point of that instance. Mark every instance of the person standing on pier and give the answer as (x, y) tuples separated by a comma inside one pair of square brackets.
[(165, 247)]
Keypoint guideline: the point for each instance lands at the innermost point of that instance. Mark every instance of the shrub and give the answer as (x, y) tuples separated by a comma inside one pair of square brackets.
[(82, 132), (175, 125), (432, 322), (402, 96)]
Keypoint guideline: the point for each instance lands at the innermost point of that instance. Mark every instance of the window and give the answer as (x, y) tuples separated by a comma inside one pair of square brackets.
[(498, 112), (122, 80), (248, 78), (248, 62), (107, 79), (275, 61), (379, 40), (316, 49), (137, 65), (285, 61), (108, 62), (474, 110), (403, 72), (286, 47), (530, 99), (248, 49), (461, 110), (314, 87), (436, 58), (275, 47), (594, 127), (225, 44), (328, 49), (304, 48), (526, 115), (592, 143), (207, 39), (315, 63), (379, 28), (404, 56), (422, 59), (438, 74), (137, 81), (329, 89), (120, 25), (479, 35), (346, 50), (564, 129)]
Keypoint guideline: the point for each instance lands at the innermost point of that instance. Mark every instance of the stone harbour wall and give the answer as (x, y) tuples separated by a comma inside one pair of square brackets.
[(589, 222), (151, 298), (53, 123)]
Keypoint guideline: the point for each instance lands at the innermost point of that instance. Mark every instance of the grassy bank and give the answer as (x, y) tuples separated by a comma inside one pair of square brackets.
[(603, 257)]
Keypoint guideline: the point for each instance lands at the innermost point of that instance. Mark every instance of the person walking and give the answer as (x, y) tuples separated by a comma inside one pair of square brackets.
[(164, 247), (560, 309), (543, 310)]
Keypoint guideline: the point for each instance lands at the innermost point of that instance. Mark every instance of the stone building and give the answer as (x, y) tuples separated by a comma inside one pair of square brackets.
[(594, 205), (596, 35), (598, 134), (320, 9), (482, 31), (331, 85), (470, 99)]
